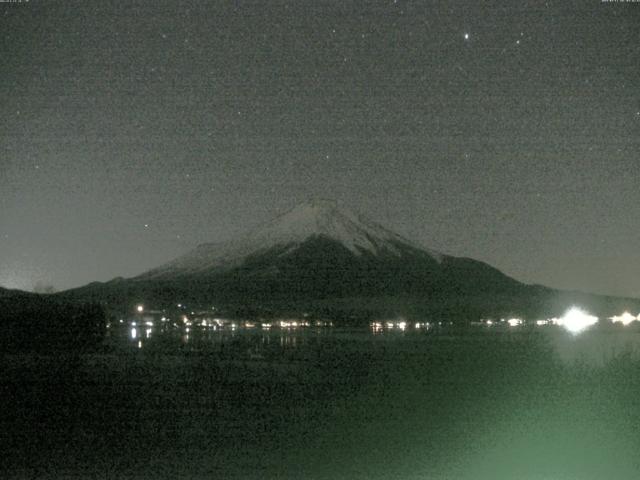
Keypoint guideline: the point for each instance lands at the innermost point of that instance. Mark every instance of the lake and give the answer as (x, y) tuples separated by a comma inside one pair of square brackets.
[(327, 403)]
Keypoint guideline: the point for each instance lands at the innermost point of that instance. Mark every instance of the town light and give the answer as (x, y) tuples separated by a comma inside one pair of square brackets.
[(575, 320), (514, 322), (140, 308), (625, 319)]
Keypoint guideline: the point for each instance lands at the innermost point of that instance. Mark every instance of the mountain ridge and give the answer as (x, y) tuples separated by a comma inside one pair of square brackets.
[(317, 218), (321, 258)]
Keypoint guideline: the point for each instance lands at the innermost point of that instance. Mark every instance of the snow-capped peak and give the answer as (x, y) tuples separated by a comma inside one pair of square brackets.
[(311, 219), (324, 217)]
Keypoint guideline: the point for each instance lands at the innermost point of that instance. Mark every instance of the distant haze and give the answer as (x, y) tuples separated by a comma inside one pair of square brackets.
[(134, 131)]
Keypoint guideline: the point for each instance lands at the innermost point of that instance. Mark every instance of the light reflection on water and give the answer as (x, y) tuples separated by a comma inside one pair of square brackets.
[(198, 336), (594, 348), (591, 348), (256, 338), (428, 403)]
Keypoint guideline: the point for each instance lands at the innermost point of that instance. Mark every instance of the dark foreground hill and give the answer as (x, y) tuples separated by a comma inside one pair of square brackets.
[(42, 323)]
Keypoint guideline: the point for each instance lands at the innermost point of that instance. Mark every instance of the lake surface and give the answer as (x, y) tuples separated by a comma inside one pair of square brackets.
[(328, 403)]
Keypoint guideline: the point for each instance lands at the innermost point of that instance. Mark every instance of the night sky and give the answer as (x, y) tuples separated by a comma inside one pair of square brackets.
[(509, 132)]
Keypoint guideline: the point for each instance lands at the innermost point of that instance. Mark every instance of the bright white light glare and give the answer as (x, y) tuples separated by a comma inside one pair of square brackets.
[(402, 325), (514, 322), (575, 320), (134, 333), (140, 308), (625, 319), (541, 322)]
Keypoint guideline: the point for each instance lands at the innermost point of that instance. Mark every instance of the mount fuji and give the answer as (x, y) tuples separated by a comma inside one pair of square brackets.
[(322, 258), (318, 250), (320, 221)]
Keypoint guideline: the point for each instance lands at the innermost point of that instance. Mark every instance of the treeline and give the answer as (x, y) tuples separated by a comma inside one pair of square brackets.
[(38, 323)]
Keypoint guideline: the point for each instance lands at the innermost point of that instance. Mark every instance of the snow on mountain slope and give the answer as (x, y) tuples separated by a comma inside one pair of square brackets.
[(316, 218)]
